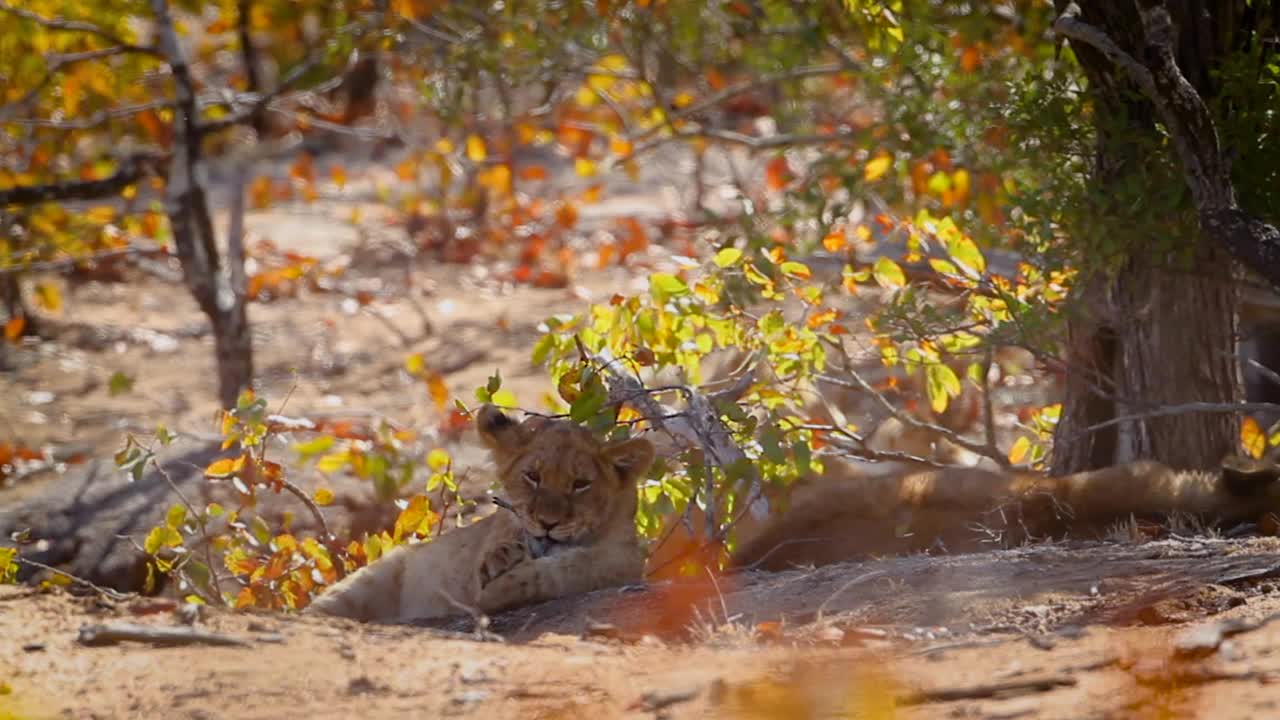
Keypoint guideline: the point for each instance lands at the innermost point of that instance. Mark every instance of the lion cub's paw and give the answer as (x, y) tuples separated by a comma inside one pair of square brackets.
[(501, 559)]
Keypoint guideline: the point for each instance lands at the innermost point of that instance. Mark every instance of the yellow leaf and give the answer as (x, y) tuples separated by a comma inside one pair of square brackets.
[(323, 496), (834, 241), (1021, 447), (584, 167), (476, 151), (225, 467), (877, 167), (339, 175), (414, 364), (438, 459), (1253, 438)]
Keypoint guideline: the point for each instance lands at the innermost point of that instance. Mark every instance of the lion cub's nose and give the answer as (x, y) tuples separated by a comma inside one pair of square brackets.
[(548, 525)]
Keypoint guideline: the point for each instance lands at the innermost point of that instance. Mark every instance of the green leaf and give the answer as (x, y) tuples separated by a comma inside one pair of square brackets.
[(588, 403), (795, 269), (176, 516), (119, 383), (495, 383), (888, 274), (313, 447), (941, 384), (261, 531), (664, 286)]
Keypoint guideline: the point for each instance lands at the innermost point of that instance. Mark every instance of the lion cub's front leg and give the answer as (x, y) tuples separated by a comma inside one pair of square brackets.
[(501, 558), (564, 571)]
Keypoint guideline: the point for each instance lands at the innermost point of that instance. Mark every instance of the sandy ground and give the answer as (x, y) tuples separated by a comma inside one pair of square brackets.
[(321, 668)]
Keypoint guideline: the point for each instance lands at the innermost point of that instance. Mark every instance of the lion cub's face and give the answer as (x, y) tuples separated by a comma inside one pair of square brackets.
[(564, 483)]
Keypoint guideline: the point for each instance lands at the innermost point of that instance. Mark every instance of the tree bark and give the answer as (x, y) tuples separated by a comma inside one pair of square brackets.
[(1163, 336)]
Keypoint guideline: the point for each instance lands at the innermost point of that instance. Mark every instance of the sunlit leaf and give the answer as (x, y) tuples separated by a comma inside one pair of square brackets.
[(476, 151), (1252, 438), (877, 167), (1021, 448), (888, 273)]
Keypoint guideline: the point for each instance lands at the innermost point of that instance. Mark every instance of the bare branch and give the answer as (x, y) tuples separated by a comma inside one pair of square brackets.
[(750, 142), (1180, 409), (67, 263), (859, 383)]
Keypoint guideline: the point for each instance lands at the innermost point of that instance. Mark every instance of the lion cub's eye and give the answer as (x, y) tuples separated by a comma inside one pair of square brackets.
[(532, 477), (581, 485)]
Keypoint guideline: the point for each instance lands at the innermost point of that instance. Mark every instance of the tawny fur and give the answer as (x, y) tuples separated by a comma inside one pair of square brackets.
[(964, 509), (573, 530)]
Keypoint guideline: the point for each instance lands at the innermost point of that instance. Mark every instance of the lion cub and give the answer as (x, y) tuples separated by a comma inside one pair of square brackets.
[(572, 531)]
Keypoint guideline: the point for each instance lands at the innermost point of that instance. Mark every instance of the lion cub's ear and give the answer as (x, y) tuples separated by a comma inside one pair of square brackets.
[(496, 428), (631, 458)]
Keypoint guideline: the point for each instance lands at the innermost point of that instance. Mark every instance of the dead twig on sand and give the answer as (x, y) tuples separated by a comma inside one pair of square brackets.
[(116, 633), (982, 691)]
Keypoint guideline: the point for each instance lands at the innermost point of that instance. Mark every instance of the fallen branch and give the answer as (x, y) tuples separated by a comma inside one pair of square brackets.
[(115, 633), (983, 691)]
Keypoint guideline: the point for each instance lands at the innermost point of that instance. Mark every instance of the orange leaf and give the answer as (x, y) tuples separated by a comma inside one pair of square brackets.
[(533, 172), (834, 241), (339, 175), (13, 328), (1253, 438), (303, 168), (970, 59), (438, 390), (566, 215), (777, 173), (260, 193), (407, 170)]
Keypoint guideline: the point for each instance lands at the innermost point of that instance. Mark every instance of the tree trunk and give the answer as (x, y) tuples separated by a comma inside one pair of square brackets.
[(1153, 335)]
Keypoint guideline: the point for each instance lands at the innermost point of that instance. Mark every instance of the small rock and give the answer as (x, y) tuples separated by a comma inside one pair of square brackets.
[(831, 635), (362, 685), (471, 697)]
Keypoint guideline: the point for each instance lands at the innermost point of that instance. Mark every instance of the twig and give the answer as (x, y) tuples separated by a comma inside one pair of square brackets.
[(200, 520), (116, 633), (1180, 409), (840, 590), (311, 505), (106, 592), (982, 691), (861, 384), (655, 701), (480, 620)]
